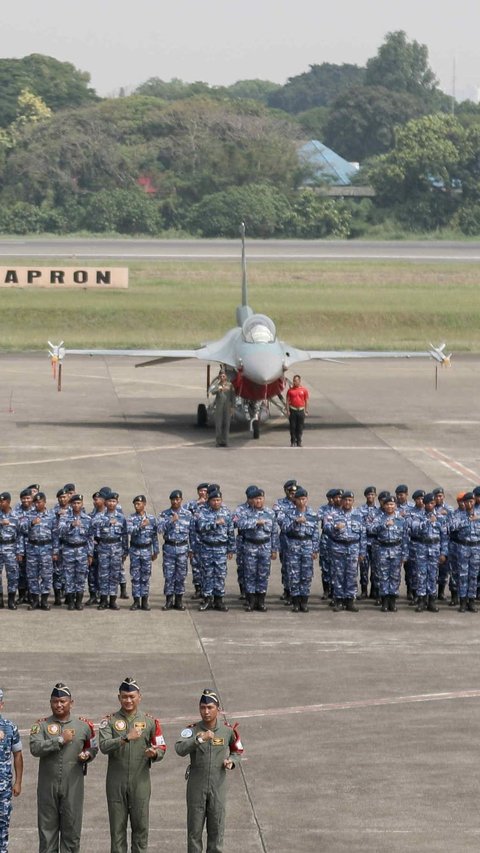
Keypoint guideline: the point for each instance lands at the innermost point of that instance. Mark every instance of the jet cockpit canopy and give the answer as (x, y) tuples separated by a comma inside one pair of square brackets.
[(259, 329)]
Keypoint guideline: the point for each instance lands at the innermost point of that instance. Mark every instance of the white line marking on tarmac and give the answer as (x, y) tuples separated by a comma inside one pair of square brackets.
[(453, 464), (334, 706)]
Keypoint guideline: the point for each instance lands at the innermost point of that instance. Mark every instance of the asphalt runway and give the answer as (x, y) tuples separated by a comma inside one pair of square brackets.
[(360, 729)]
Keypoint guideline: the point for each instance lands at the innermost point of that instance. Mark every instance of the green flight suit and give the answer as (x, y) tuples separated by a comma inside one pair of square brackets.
[(206, 785), (128, 776), (60, 781)]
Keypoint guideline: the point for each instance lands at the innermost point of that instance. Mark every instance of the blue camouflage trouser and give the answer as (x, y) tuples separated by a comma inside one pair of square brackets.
[(468, 567), (196, 566), (175, 567), (324, 560), (8, 559), (93, 573), (140, 571), (452, 559), (5, 812), (389, 561), (299, 563), (366, 568), (240, 558), (39, 569), (344, 562), (214, 569), (427, 568), (109, 567), (257, 560), (58, 576), (75, 568), (283, 560)]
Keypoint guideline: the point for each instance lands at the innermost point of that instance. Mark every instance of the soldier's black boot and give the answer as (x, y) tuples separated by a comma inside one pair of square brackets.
[(44, 605), (198, 591), (286, 597), (364, 593), (392, 603), (103, 605), (179, 605), (432, 604), (261, 606), (123, 591), (472, 606), (242, 592), (463, 605), (136, 604), (304, 603), (2, 602), (351, 606), (11, 601), (326, 590), (169, 603), (454, 599), (145, 604), (219, 603), (112, 604), (409, 593), (34, 602), (58, 598), (295, 603), (69, 601), (384, 607), (92, 599), (22, 596), (441, 592), (421, 601), (79, 601), (337, 605), (248, 606), (207, 603)]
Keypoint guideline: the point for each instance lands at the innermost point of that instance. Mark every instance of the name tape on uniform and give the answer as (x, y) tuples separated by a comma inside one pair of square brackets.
[(62, 277)]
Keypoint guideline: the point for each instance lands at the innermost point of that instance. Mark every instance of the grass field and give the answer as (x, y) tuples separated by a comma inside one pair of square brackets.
[(328, 305)]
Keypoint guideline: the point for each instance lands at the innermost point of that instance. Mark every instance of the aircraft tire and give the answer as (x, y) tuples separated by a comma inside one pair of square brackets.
[(256, 428), (202, 415)]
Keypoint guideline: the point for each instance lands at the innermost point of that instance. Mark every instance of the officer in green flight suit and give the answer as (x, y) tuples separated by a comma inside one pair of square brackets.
[(132, 740), (213, 747), (64, 745)]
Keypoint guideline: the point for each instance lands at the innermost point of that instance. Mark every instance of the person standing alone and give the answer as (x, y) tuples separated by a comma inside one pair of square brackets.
[(297, 409)]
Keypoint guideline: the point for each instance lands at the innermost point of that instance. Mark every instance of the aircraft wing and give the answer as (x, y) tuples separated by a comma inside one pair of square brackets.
[(435, 352)]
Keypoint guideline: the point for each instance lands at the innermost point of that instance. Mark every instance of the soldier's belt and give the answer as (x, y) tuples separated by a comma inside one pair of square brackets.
[(390, 544), (257, 541), (346, 541), (425, 540), (214, 543), (116, 541), (468, 541), (74, 544), (40, 541), (298, 536), (143, 545), (175, 541)]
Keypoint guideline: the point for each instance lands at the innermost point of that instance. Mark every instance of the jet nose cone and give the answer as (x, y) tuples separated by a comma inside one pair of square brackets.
[(262, 366)]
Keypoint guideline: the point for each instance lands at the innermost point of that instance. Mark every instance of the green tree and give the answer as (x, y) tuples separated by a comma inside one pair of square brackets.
[(317, 87), (124, 211), (313, 217), (402, 66), (263, 208)]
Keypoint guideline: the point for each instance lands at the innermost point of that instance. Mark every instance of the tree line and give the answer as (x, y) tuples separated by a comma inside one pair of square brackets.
[(188, 157)]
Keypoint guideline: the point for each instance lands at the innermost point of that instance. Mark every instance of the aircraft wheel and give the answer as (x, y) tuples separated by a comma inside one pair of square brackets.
[(256, 428), (201, 415)]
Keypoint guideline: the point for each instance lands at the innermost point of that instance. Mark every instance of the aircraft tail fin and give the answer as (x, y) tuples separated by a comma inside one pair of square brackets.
[(243, 310)]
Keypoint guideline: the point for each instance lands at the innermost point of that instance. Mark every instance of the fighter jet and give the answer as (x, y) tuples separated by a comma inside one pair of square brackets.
[(253, 357)]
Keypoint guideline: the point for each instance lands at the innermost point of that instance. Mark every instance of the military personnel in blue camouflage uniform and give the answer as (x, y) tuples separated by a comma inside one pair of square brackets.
[(175, 524), (348, 546), (259, 529), (239, 543), (10, 745), (300, 527), (75, 530), (368, 511), (404, 506), (41, 548), (60, 511), (334, 501), (217, 537), (283, 506), (194, 507), (391, 546), (466, 525), (452, 548), (11, 547), (143, 532), (415, 512), (110, 530), (21, 510), (430, 535), (443, 511)]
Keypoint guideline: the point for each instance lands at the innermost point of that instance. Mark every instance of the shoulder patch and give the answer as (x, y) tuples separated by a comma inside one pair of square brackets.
[(104, 723), (186, 732), (35, 729)]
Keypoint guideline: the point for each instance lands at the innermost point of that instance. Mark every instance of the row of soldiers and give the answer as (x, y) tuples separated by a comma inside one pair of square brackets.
[(66, 546)]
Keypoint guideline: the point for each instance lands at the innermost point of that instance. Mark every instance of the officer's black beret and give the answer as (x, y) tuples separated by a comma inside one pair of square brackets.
[(213, 487), (97, 495), (139, 498), (419, 493), (290, 484), (61, 492), (383, 495), (257, 493), (104, 491), (129, 685), (348, 494), (428, 498), (5, 496), (69, 487), (112, 496), (370, 490), (476, 491), (336, 492), (40, 496), (250, 491), (331, 493), (401, 488), (26, 493), (176, 494), (60, 690), (438, 491), (468, 496), (216, 493), (301, 492), (34, 486), (76, 498), (202, 486), (388, 498)]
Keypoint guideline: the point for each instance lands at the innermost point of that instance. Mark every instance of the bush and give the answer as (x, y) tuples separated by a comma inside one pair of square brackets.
[(124, 211), (264, 209)]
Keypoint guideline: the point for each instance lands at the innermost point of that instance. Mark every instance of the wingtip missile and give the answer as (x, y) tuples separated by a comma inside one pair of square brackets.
[(438, 353)]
